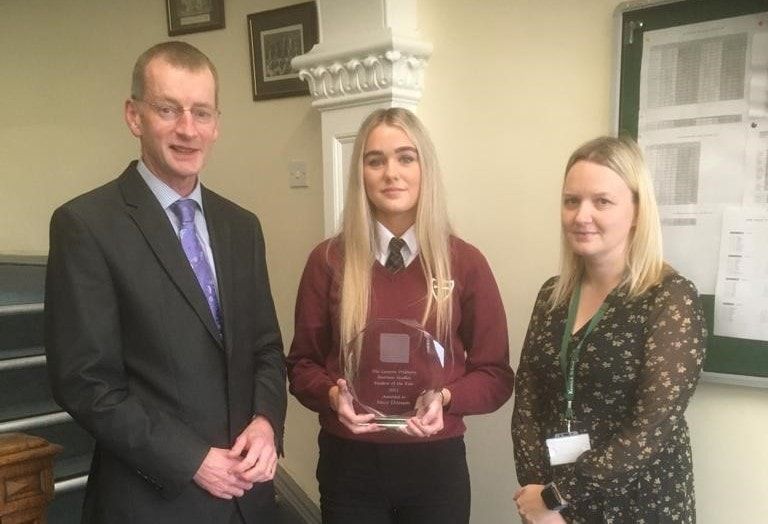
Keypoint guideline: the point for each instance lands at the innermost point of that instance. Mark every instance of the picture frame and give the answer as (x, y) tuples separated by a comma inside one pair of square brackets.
[(194, 16), (276, 36)]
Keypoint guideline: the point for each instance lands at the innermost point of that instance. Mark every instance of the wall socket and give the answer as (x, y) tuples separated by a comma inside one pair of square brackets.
[(297, 173)]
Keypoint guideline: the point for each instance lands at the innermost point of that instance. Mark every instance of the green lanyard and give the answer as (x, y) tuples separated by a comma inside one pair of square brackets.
[(568, 362)]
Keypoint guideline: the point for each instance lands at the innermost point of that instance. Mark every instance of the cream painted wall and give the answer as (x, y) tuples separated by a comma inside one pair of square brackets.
[(511, 89), (65, 74)]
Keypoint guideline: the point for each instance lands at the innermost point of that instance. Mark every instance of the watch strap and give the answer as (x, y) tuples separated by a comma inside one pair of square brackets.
[(552, 498)]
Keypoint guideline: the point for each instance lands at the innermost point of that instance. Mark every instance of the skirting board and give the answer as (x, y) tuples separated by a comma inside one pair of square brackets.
[(290, 492), (735, 380)]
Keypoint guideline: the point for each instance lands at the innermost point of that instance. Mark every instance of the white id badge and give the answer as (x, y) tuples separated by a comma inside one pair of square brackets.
[(565, 449)]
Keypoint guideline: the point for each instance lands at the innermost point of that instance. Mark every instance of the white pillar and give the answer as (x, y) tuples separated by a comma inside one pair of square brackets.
[(369, 57)]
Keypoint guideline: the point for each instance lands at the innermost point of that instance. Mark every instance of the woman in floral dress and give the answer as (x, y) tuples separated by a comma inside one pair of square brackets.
[(612, 356)]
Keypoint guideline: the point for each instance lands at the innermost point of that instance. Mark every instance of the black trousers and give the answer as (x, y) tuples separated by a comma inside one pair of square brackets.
[(365, 483)]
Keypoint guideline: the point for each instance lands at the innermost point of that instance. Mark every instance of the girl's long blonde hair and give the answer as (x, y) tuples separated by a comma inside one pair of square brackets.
[(645, 263), (433, 231)]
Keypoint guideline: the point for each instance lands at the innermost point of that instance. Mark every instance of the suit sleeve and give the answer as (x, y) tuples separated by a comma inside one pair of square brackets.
[(270, 398), (86, 366)]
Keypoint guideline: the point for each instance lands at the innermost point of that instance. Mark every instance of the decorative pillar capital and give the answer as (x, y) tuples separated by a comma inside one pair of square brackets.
[(391, 70), (369, 57)]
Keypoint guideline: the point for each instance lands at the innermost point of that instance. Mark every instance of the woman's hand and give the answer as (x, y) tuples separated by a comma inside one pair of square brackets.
[(341, 402), (429, 415), (531, 506)]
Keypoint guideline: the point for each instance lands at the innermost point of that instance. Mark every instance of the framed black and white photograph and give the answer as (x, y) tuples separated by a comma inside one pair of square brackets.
[(276, 36), (193, 16)]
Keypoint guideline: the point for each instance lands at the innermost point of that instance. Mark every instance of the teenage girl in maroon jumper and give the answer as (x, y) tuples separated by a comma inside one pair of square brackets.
[(368, 474)]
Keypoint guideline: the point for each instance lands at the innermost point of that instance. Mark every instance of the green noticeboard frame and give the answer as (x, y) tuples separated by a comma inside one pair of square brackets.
[(729, 360)]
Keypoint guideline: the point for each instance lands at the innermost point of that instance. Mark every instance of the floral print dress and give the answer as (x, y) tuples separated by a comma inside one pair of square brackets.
[(636, 373)]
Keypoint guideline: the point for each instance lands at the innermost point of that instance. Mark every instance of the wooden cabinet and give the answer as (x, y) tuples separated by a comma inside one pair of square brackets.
[(26, 478)]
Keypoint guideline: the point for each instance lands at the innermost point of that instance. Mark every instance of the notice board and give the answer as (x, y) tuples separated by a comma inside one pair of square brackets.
[(693, 91)]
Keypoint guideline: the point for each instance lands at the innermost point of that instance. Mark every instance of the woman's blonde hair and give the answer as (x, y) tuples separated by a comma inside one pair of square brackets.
[(645, 264), (358, 230)]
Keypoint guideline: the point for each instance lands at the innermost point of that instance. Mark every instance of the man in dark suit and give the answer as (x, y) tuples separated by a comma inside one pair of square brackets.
[(161, 333)]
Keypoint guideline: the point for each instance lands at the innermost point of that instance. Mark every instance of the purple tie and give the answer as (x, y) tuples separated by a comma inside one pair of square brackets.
[(185, 209)]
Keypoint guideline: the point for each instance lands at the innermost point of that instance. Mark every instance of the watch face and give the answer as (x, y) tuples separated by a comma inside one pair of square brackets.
[(552, 498)]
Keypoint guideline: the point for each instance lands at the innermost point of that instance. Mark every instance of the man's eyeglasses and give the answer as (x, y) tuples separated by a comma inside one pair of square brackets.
[(172, 112)]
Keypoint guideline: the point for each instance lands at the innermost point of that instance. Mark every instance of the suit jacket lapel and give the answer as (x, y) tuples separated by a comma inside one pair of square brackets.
[(153, 223), (220, 236)]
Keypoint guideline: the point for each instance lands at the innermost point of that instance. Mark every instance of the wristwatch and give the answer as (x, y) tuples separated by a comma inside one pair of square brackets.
[(552, 498)]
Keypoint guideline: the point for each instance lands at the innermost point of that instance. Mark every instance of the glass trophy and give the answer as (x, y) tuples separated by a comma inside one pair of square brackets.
[(392, 367)]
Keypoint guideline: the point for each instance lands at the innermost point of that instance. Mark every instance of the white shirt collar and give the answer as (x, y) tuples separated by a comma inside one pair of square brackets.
[(383, 235), (164, 193)]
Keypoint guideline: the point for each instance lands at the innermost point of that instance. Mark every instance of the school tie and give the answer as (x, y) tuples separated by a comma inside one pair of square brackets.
[(184, 209), (395, 260)]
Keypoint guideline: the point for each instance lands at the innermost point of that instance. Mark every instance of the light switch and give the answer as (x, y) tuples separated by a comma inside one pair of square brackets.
[(297, 173)]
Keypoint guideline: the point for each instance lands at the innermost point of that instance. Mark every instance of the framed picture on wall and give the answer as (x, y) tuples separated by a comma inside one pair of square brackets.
[(193, 16), (276, 36)]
